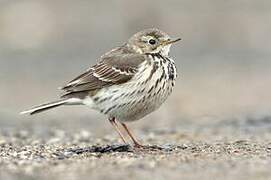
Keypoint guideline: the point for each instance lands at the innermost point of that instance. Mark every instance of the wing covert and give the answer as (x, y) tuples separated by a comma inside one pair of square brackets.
[(115, 67)]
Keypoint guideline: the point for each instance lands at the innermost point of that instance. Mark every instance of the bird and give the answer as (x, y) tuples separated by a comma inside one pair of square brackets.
[(126, 84)]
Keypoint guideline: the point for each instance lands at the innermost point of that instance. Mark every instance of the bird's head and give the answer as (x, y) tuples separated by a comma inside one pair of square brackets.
[(151, 41)]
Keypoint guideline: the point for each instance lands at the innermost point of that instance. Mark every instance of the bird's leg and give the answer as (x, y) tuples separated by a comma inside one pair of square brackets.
[(115, 125), (136, 143)]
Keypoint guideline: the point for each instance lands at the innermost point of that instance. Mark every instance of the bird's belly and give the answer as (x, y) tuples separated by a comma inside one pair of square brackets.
[(129, 103), (145, 105), (136, 99)]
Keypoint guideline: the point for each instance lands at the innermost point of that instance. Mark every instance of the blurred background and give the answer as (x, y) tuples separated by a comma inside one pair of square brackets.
[(223, 59)]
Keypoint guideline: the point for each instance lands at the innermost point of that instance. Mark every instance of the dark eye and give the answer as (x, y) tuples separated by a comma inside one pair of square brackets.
[(152, 41)]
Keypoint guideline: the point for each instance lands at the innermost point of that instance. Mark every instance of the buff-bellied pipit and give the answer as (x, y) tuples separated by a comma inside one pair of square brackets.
[(127, 83)]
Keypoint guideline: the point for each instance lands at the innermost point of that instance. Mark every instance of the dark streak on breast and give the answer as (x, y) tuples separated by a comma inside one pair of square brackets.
[(150, 90), (156, 83), (109, 109), (171, 71)]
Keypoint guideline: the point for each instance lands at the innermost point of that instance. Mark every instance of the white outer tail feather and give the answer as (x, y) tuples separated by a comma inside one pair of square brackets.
[(47, 106)]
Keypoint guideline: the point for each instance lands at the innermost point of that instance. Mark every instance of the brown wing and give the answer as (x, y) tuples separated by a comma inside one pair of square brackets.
[(116, 67)]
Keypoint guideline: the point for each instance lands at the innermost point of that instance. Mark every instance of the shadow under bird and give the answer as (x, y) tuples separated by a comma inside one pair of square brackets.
[(127, 83)]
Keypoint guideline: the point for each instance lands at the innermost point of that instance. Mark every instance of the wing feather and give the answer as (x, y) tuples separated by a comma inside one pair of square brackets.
[(116, 67)]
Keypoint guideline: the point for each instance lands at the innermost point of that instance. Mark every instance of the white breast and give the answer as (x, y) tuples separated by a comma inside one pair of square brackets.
[(141, 95)]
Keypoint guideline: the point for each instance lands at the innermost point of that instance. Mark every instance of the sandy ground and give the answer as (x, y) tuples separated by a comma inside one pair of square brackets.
[(214, 150), (206, 130)]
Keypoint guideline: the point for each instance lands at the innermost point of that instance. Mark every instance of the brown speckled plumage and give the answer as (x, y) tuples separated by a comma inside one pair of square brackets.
[(127, 83)]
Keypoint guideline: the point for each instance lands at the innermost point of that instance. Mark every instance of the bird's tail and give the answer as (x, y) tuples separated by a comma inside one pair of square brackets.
[(46, 106)]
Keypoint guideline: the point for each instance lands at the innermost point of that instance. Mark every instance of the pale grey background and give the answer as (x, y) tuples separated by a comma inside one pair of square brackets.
[(219, 112), (223, 60)]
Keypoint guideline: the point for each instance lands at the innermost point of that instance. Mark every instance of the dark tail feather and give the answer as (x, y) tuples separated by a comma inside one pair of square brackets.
[(45, 107)]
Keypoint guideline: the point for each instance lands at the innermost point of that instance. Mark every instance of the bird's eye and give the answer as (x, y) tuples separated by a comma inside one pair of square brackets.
[(152, 41)]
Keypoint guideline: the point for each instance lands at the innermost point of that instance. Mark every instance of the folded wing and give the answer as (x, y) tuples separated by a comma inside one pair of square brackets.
[(116, 67)]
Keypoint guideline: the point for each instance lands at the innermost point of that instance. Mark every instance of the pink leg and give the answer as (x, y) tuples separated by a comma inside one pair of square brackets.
[(136, 143), (115, 125)]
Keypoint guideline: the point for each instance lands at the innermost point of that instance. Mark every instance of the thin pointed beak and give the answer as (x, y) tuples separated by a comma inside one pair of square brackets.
[(171, 41)]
